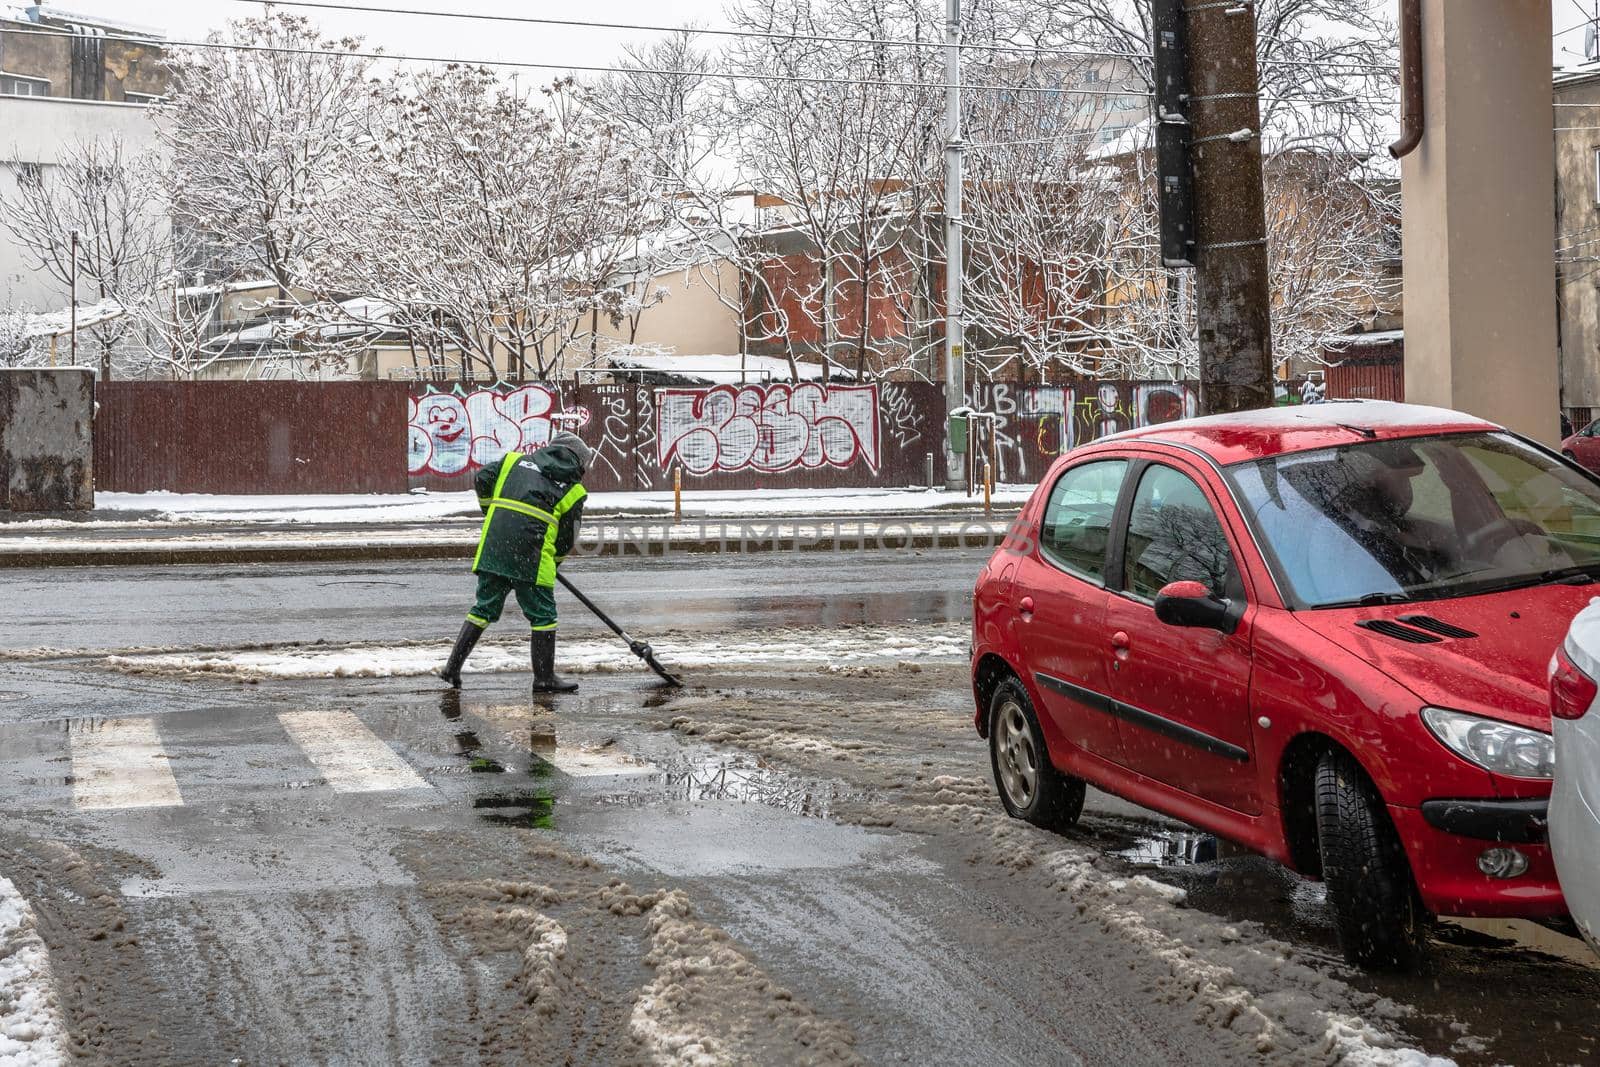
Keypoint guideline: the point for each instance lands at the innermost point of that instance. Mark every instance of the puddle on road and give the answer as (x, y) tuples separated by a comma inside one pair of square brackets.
[(1171, 847)]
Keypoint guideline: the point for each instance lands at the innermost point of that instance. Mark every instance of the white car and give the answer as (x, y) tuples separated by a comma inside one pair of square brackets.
[(1575, 800)]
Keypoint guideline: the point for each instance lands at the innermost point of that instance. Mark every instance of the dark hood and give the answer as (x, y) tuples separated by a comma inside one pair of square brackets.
[(559, 463)]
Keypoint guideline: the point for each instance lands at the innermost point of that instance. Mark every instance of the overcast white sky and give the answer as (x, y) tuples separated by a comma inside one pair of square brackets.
[(455, 38), (476, 40)]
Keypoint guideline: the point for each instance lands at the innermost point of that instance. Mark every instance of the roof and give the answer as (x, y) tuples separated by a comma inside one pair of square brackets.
[(671, 369), (46, 324), (1250, 435)]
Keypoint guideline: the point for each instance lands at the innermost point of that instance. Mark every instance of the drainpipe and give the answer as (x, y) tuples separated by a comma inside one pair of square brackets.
[(1410, 78)]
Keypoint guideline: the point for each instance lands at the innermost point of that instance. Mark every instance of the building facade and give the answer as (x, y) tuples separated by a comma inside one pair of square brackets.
[(66, 80)]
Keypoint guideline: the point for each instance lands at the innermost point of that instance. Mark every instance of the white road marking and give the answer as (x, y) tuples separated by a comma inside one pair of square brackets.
[(351, 757), (119, 763)]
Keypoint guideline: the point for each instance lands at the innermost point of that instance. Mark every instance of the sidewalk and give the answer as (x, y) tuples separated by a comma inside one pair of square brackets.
[(159, 528)]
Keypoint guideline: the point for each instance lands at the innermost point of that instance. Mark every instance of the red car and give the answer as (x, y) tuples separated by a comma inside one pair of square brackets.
[(1320, 632), (1584, 446)]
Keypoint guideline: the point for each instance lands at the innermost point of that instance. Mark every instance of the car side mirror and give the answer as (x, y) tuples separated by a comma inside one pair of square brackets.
[(1191, 604)]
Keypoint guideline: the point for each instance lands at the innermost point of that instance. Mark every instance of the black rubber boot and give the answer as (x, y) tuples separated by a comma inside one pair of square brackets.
[(465, 640), (545, 680)]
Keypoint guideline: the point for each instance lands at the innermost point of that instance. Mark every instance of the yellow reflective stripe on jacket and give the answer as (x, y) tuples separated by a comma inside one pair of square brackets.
[(547, 553), (523, 509), (575, 494), (506, 464)]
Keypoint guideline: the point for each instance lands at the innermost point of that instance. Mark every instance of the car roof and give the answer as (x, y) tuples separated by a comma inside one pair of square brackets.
[(1249, 435)]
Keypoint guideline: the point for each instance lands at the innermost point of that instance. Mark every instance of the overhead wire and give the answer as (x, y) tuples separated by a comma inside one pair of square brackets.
[(522, 64), (778, 35)]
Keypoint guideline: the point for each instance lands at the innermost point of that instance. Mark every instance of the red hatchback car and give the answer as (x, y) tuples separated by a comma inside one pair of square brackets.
[(1319, 632)]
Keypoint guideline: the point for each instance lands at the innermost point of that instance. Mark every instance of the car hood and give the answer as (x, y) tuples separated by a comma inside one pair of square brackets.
[(1500, 672)]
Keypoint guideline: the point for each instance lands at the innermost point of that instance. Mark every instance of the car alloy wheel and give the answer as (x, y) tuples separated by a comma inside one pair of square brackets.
[(1030, 786), (1015, 757)]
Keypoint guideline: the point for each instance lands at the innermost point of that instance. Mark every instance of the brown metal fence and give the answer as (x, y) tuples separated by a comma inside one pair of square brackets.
[(251, 437), (371, 437)]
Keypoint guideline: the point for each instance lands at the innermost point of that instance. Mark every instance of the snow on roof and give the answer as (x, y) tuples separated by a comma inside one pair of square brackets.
[(226, 287), (40, 13), (47, 324), (366, 314), (1374, 337), (718, 369)]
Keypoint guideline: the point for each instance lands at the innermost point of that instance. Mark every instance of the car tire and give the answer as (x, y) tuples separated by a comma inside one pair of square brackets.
[(1381, 922), (1030, 787)]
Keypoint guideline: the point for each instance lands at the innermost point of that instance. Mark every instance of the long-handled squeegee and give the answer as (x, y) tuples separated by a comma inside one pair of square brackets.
[(638, 648)]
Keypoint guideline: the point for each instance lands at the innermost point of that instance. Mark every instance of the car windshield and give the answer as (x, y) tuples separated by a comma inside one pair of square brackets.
[(1419, 518)]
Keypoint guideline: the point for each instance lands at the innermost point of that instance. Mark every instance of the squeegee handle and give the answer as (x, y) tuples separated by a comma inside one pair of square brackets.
[(586, 602)]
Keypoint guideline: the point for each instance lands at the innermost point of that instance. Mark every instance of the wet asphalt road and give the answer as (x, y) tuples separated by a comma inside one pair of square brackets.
[(126, 607), (270, 917)]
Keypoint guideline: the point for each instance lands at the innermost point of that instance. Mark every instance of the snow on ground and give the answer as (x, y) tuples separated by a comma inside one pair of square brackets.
[(423, 507), (832, 647), (31, 1030)]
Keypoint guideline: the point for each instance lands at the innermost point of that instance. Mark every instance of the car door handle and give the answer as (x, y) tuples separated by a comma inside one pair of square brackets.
[(1025, 606)]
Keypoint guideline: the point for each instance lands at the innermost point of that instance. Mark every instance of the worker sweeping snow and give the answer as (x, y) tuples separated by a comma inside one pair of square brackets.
[(532, 505)]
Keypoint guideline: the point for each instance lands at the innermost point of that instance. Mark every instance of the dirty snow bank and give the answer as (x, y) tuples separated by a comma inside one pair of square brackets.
[(1266, 998), (709, 1004), (31, 1029), (830, 647)]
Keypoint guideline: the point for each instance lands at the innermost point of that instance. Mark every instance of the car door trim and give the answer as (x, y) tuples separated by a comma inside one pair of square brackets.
[(1149, 720)]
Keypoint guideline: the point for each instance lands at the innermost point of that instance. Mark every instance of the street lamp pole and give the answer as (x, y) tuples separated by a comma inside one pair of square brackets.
[(955, 369)]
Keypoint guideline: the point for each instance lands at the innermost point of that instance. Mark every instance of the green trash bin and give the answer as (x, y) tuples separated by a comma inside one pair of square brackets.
[(956, 427)]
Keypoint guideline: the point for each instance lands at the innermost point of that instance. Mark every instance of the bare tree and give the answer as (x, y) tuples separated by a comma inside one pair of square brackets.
[(848, 161), (486, 222), (256, 134), (107, 198)]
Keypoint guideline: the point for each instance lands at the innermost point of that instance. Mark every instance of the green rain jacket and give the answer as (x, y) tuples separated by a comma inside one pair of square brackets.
[(532, 506)]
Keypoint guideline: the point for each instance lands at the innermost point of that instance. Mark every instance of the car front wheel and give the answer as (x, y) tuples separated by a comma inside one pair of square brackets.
[(1381, 922), (1030, 786)]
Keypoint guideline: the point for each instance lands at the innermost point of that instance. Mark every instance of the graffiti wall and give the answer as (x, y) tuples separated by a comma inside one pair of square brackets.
[(768, 428)]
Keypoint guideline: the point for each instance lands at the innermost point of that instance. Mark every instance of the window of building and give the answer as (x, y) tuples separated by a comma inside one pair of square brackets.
[(30, 174), (1597, 175), (23, 85)]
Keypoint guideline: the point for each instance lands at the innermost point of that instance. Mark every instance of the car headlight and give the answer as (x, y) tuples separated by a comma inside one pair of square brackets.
[(1497, 747)]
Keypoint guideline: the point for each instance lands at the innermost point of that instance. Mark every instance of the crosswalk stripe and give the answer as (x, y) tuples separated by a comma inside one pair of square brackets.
[(119, 763), (351, 757)]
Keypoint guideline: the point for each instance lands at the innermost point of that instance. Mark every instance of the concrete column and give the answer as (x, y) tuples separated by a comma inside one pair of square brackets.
[(1479, 227)]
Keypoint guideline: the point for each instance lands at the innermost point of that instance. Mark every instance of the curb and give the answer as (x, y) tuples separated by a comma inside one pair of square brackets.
[(890, 537)]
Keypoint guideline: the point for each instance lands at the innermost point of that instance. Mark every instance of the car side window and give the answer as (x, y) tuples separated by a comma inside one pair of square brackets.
[(1077, 517), (1174, 535)]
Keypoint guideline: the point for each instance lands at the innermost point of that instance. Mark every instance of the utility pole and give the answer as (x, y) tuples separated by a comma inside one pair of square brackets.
[(955, 365), (1232, 297)]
